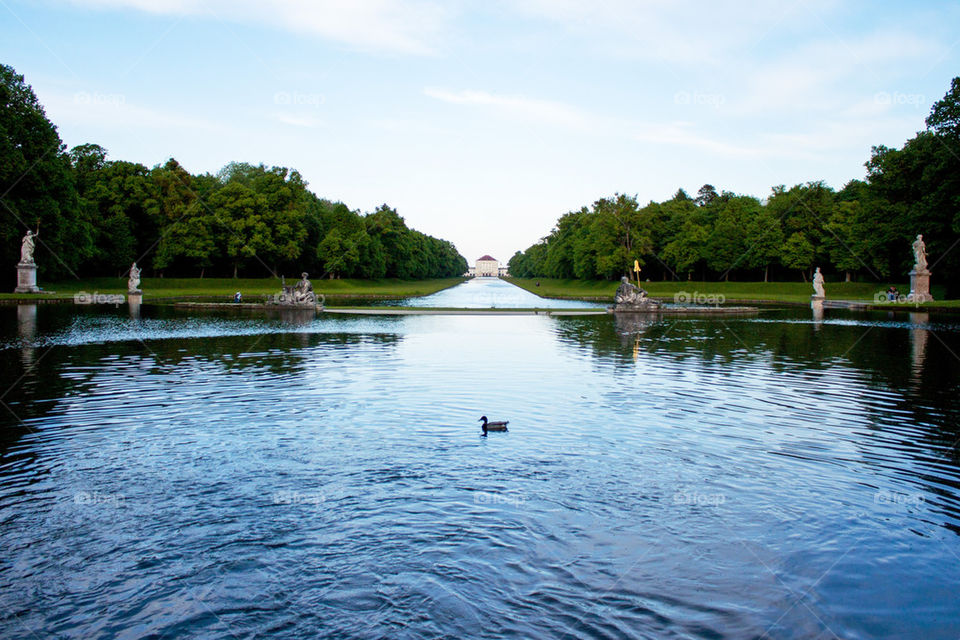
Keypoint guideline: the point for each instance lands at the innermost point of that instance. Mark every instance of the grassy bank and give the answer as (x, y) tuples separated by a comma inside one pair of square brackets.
[(795, 292), (154, 288)]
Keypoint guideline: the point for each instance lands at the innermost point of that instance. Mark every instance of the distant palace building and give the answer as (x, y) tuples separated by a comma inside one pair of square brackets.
[(487, 267)]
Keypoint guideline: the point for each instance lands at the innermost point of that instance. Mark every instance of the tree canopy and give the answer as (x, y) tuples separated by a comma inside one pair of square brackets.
[(96, 215), (863, 231)]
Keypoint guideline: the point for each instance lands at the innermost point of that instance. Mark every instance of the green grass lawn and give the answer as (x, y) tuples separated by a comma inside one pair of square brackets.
[(731, 291), (154, 288)]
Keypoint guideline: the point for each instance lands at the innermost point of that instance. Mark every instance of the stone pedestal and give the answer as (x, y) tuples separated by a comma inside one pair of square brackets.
[(646, 306), (26, 279), (920, 286), (135, 297)]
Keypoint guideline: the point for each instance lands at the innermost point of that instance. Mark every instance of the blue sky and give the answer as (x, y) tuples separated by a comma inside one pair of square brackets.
[(482, 122)]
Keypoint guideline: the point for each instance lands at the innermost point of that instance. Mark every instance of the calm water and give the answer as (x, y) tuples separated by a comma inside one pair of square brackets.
[(236, 476), (485, 293)]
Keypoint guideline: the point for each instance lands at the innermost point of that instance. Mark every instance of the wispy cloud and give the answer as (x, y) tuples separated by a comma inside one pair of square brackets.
[(113, 110), (683, 134), (395, 26), (539, 110), (295, 120), (661, 133), (679, 31), (819, 76)]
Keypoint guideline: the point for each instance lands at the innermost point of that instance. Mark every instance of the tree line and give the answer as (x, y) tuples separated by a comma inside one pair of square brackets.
[(863, 231), (96, 216)]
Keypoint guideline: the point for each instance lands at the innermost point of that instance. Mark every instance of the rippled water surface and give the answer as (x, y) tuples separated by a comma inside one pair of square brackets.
[(231, 475)]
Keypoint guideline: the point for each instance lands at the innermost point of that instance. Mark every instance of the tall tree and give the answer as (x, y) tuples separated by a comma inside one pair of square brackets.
[(944, 116), (37, 184)]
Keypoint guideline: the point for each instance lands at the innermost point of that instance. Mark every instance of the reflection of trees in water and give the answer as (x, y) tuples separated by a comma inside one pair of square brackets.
[(730, 339), (33, 378), (920, 364), (907, 433), (891, 354)]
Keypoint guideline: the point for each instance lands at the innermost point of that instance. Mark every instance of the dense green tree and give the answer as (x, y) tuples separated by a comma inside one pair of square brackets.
[(687, 248), (728, 246), (764, 235), (339, 254), (37, 184), (706, 195), (944, 116), (113, 196), (798, 253)]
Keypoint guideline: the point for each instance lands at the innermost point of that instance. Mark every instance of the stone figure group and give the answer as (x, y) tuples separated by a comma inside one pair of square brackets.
[(298, 295), (630, 297)]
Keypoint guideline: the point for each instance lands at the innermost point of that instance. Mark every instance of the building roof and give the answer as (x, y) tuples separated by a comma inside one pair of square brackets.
[(486, 258)]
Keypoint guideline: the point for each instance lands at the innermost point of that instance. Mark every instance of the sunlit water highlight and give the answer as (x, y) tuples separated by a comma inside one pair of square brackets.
[(226, 475), (490, 293)]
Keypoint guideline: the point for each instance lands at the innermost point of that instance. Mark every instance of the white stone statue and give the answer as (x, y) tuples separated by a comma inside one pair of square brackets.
[(818, 291), (26, 249), (919, 254), (133, 282)]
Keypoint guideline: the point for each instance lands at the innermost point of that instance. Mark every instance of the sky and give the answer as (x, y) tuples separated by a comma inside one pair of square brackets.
[(483, 122)]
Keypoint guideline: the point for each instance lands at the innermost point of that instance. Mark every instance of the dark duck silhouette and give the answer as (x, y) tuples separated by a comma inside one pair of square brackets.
[(493, 426)]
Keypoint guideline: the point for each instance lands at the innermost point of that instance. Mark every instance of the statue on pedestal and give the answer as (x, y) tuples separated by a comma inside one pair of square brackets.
[(818, 291), (133, 282), (27, 268), (27, 246), (920, 275)]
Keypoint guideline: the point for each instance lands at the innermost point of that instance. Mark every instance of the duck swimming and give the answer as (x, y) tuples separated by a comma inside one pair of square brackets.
[(493, 426)]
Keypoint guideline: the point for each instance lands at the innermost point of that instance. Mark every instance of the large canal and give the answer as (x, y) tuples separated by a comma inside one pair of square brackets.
[(230, 475)]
